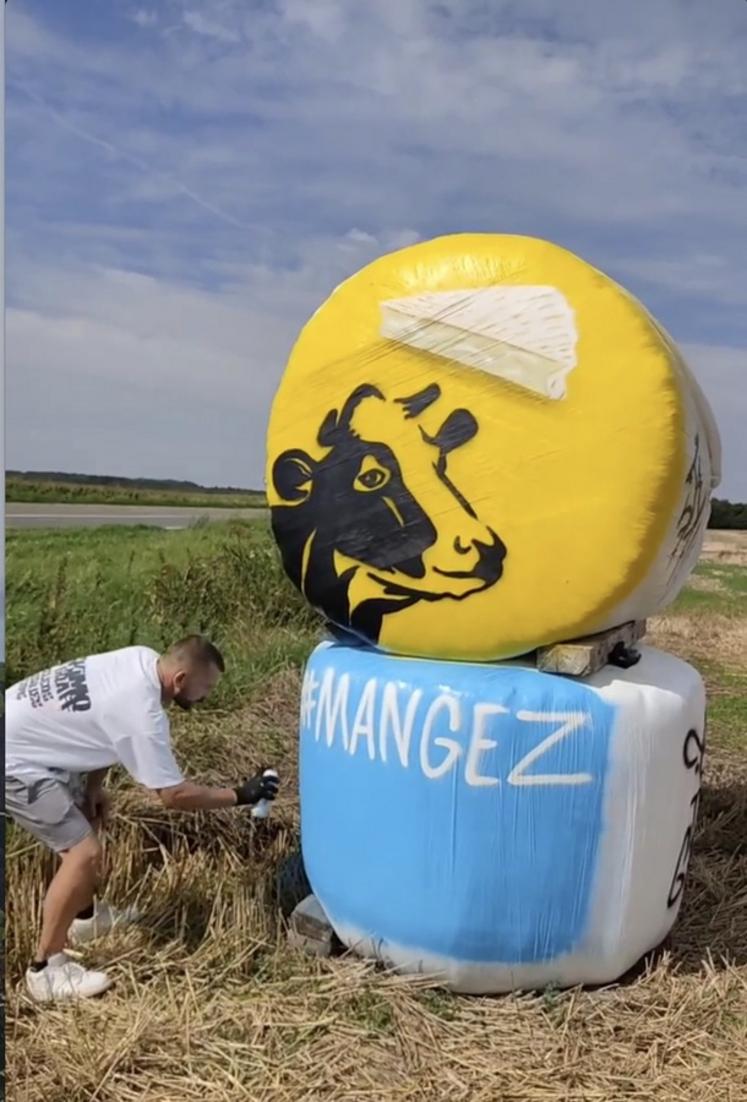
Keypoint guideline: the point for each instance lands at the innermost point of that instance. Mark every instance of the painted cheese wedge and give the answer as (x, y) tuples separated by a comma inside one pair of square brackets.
[(525, 335)]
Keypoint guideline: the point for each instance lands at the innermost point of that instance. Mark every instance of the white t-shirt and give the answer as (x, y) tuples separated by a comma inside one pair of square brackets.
[(89, 714)]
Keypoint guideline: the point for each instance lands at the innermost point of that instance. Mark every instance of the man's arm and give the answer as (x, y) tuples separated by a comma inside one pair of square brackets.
[(144, 749), (195, 797)]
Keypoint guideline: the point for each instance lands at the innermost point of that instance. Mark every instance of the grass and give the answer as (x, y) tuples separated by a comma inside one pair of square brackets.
[(715, 588), (83, 493), (728, 707), (211, 1005), (73, 591)]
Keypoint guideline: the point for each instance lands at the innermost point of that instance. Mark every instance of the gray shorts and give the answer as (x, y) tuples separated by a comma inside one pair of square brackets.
[(50, 809)]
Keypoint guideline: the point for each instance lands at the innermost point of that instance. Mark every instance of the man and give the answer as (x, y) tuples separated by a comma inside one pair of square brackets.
[(65, 728)]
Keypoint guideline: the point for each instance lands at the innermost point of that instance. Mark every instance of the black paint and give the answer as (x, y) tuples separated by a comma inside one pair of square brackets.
[(355, 501), (696, 502), (693, 754)]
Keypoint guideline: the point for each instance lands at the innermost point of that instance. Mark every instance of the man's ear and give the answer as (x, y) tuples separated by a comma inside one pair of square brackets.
[(293, 475)]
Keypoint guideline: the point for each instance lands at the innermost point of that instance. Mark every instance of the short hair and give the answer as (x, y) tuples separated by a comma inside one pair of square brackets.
[(197, 650)]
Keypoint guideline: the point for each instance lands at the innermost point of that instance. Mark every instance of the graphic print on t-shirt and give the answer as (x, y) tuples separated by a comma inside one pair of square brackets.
[(66, 684)]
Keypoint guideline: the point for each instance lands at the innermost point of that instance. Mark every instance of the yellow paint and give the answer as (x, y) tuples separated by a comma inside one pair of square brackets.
[(581, 490), (393, 509)]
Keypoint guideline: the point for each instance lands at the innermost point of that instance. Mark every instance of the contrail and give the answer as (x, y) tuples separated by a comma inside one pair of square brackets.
[(137, 162)]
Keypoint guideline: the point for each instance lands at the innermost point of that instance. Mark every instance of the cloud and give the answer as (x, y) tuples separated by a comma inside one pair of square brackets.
[(251, 155), (722, 373), (178, 381), (206, 27), (699, 275), (172, 378), (144, 17)]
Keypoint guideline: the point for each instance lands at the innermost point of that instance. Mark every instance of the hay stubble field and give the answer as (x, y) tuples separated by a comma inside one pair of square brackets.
[(209, 1002)]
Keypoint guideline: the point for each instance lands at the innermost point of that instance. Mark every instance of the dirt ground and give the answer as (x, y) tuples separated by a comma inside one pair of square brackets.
[(725, 546)]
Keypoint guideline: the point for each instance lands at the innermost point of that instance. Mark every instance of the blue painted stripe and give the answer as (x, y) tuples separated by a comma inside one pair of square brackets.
[(450, 807)]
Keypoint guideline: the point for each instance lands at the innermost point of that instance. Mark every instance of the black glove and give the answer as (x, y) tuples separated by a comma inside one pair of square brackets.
[(257, 788)]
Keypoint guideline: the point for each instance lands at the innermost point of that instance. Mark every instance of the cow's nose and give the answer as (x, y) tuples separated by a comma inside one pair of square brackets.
[(472, 536)]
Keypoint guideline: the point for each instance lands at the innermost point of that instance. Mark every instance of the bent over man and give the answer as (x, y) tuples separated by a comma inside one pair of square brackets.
[(65, 728)]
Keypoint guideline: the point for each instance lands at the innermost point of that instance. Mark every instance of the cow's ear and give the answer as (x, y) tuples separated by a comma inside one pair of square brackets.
[(293, 475), (458, 428), (328, 431)]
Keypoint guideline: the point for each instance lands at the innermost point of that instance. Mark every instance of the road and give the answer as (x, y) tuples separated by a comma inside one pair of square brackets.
[(93, 516), (728, 547)]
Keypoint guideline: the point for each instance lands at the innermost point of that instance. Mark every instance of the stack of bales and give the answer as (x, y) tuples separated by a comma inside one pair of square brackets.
[(481, 446)]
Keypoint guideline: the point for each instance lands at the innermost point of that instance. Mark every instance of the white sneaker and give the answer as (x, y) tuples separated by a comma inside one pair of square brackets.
[(63, 979), (104, 919)]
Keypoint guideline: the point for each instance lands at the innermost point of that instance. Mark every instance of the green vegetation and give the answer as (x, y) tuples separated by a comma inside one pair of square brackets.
[(727, 514), (76, 591), (715, 588), (727, 706), (89, 490), (707, 625)]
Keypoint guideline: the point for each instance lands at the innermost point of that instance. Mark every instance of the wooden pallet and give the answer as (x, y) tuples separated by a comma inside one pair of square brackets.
[(310, 929), (585, 656)]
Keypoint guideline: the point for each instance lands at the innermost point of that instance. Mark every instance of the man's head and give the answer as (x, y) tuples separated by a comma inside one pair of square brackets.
[(189, 671)]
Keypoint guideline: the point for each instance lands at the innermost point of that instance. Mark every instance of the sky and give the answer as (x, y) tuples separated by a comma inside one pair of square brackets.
[(187, 182)]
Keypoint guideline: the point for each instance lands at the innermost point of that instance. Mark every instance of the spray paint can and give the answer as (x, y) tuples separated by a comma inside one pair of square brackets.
[(262, 809)]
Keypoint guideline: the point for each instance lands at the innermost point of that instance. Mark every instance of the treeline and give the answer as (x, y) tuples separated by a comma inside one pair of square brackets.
[(166, 484), (727, 514)]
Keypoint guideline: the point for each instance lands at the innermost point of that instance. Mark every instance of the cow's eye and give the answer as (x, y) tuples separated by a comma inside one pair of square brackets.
[(371, 476)]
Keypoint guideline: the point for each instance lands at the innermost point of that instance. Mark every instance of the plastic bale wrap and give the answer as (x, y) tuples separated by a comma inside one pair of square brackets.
[(494, 826), (480, 445)]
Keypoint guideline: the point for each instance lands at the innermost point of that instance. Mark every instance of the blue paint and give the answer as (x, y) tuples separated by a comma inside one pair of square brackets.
[(492, 872)]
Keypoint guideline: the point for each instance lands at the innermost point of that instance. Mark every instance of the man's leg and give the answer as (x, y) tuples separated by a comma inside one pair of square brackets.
[(97, 917), (46, 809), (79, 792), (70, 893), (49, 810)]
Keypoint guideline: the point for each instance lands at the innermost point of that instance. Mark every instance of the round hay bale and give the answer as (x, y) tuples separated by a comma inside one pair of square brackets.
[(481, 444)]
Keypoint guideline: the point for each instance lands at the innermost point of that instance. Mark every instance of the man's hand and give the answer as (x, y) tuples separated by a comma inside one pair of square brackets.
[(97, 806), (257, 788), (194, 797)]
